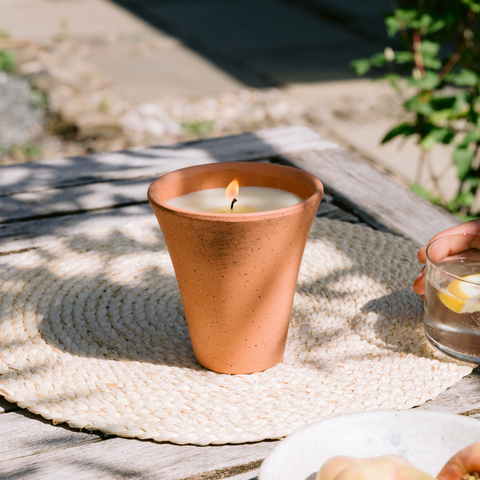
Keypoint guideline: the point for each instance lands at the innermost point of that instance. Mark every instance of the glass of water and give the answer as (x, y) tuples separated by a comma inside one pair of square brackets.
[(452, 295)]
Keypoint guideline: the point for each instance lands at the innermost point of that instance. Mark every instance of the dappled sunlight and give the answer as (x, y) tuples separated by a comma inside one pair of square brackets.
[(61, 197), (94, 335)]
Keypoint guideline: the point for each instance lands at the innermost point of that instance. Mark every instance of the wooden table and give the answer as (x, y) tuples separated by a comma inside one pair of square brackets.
[(43, 200)]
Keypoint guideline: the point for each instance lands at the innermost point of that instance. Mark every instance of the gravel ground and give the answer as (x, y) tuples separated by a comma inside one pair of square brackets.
[(21, 119), (59, 104)]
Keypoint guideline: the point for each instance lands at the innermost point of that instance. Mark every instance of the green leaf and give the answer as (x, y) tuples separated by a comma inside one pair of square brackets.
[(466, 218), (436, 135), (400, 19), (403, 57), (462, 159), (424, 193), (465, 78), (436, 26), (420, 104), (462, 101), (393, 79), (444, 103), (7, 61), (465, 198), (428, 47), (406, 15), (378, 60), (360, 66), (472, 180), (431, 62), (428, 82), (423, 23), (473, 5), (403, 129), (443, 115), (449, 108), (470, 137), (198, 127), (438, 117), (393, 25)]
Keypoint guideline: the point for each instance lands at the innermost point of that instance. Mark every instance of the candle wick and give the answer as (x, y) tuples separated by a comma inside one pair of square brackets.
[(233, 203)]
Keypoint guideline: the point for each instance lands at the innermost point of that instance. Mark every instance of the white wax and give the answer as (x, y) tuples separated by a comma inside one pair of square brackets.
[(259, 199)]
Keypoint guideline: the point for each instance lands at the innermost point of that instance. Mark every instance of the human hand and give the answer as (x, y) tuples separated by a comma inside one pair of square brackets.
[(455, 245)]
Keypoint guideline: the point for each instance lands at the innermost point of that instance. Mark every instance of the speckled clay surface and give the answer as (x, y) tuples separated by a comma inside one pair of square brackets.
[(237, 273)]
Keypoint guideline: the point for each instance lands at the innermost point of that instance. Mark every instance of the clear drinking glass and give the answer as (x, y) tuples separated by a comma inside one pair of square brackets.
[(452, 295)]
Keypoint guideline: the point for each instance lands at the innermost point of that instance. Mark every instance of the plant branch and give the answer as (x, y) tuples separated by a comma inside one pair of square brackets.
[(417, 54), (455, 58)]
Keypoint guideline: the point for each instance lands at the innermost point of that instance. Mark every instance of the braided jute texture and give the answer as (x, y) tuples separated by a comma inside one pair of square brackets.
[(92, 333)]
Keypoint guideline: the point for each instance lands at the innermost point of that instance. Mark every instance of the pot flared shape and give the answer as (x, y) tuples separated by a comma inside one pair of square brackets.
[(236, 273)]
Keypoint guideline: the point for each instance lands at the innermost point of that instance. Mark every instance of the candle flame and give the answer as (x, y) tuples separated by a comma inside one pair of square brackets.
[(232, 190)]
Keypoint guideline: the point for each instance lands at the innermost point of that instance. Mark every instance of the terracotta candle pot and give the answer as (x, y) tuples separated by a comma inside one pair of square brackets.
[(236, 272)]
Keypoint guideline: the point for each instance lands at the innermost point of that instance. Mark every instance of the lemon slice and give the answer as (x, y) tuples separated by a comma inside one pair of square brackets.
[(462, 294)]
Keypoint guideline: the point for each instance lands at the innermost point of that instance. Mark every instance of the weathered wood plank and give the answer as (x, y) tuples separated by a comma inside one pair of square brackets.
[(71, 200), (373, 196), (239, 472), (247, 476), (331, 211), (24, 433), (123, 458), (30, 234), (152, 161), (357, 185), (462, 398), (17, 236)]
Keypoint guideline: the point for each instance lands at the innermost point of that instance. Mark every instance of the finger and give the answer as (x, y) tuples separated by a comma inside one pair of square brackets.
[(421, 256), (419, 283), (444, 248), (473, 226)]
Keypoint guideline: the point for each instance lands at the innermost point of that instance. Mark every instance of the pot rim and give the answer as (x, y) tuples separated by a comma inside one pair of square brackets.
[(239, 217)]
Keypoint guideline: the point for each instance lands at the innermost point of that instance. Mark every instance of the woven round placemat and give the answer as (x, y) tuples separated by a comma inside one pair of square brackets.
[(92, 333)]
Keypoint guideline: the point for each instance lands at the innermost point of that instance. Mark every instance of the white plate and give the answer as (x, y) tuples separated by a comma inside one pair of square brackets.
[(426, 439)]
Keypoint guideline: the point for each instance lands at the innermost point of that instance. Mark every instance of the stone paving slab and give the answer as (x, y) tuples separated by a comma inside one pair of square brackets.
[(281, 42), (353, 8), (251, 26), (164, 73), (158, 49), (310, 64), (357, 114), (365, 16), (40, 19)]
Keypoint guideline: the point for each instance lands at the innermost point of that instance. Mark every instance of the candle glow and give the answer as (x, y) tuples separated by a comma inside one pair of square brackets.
[(232, 190), (234, 200), (231, 195)]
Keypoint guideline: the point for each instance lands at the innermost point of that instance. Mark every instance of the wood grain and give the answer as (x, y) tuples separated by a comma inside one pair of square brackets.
[(462, 398), (42, 201), (18, 236), (152, 161), (246, 476), (71, 200), (24, 433), (373, 196), (77, 209), (116, 458), (33, 233)]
